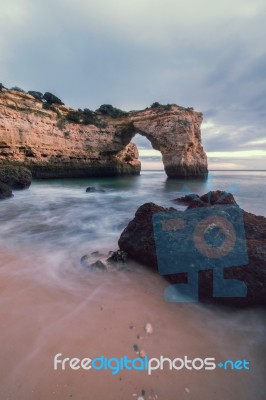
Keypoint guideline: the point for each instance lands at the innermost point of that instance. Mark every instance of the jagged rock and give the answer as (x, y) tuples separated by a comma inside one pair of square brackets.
[(5, 191), (118, 256), (187, 199), (97, 265), (15, 177), (59, 148), (138, 241), (211, 198)]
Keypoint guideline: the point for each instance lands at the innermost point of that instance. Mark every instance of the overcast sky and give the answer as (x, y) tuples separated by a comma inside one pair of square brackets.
[(207, 54)]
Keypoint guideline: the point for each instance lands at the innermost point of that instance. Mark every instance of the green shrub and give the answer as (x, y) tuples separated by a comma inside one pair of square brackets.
[(52, 99), (17, 89), (155, 104), (73, 116), (61, 123), (108, 109), (36, 95), (48, 106), (85, 117)]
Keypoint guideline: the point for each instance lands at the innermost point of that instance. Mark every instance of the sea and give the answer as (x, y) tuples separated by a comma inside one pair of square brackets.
[(51, 304)]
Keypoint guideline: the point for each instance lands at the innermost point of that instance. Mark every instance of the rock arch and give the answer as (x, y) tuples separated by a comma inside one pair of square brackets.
[(176, 134), (51, 146)]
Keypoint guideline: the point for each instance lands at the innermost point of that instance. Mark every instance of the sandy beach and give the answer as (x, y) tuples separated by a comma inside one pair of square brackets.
[(50, 305)]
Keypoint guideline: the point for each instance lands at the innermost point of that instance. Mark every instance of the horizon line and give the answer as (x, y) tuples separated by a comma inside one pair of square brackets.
[(249, 170)]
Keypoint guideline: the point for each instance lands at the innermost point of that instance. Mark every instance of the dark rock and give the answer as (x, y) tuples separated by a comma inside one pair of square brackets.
[(118, 256), (136, 348), (97, 265), (96, 254), (92, 189), (187, 199), (15, 177), (36, 95), (5, 191), (52, 99), (217, 197), (84, 261), (138, 241)]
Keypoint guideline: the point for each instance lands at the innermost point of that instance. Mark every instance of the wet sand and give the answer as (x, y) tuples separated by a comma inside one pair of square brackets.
[(50, 305)]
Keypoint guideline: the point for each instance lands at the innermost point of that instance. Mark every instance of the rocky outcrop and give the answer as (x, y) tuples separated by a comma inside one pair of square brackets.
[(15, 177), (209, 199), (138, 241), (5, 191), (55, 141)]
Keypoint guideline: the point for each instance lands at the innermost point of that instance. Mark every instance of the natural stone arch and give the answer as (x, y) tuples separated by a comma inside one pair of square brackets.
[(176, 134), (51, 145), (148, 155)]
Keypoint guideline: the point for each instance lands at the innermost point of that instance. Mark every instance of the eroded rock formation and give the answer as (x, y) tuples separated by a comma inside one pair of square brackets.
[(51, 145), (137, 240)]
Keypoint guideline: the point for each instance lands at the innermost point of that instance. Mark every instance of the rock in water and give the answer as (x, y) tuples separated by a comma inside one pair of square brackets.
[(5, 191), (138, 241), (187, 199), (92, 189), (15, 177), (211, 198), (118, 256)]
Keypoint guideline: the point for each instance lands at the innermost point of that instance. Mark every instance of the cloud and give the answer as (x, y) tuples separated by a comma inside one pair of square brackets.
[(199, 53)]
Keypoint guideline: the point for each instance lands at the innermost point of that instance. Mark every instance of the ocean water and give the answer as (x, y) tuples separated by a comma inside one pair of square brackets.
[(61, 211), (51, 304)]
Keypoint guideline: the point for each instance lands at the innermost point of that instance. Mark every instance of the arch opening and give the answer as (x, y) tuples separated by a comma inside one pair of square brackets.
[(150, 158)]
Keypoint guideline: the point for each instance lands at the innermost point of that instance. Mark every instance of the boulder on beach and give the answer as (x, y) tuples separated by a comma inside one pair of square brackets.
[(138, 241), (15, 177), (5, 191)]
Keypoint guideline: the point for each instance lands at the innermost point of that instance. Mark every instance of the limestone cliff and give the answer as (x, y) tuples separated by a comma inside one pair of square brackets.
[(45, 140)]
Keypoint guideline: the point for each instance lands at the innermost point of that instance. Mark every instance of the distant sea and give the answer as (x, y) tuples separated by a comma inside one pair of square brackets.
[(61, 211)]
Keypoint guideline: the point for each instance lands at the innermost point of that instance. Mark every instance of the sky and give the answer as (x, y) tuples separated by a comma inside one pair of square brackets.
[(206, 54)]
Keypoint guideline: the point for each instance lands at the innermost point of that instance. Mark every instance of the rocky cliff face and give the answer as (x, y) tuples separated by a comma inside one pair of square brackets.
[(52, 146)]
